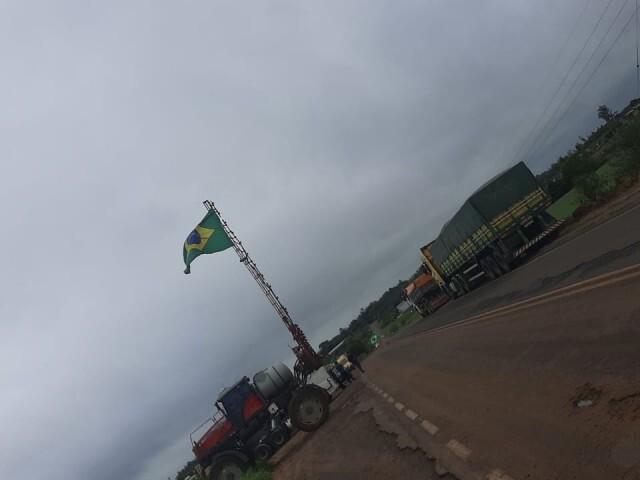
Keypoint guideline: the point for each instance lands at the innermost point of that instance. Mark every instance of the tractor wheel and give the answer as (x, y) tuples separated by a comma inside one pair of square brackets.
[(279, 437), (309, 409), (262, 452), (228, 467)]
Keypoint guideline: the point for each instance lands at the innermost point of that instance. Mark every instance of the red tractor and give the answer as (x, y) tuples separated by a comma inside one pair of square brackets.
[(255, 418)]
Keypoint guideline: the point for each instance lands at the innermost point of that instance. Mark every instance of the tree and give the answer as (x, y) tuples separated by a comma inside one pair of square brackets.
[(605, 113)]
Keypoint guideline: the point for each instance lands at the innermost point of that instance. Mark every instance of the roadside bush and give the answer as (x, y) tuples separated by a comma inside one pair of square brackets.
[(575, 166), (630, 134), (592, 187), (627, 167)]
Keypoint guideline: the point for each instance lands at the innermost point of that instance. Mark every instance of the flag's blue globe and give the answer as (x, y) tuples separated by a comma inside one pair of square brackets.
[(194, 238)]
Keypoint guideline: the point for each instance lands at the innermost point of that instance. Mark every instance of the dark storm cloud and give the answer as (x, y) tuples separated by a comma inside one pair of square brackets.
[(335, 138)]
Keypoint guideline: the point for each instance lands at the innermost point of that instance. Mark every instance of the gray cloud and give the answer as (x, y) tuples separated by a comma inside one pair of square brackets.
[(336, 139)]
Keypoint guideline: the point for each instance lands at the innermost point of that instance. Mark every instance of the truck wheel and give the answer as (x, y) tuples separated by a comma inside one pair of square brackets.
[(309, 409), (502, 262), (228, 467), (493, 265), (489, 272), (462, 284)]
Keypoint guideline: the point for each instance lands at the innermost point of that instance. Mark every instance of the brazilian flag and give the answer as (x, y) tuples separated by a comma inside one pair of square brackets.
[(207, 237)]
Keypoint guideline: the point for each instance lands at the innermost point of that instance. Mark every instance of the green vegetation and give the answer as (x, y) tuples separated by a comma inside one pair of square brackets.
[(565, 205), (401, 321), (590, 173), (382, 311), (188, 469), (260, 472), (570, 201)]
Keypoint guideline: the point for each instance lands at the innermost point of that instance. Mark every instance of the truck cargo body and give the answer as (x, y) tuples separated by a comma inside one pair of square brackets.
[(497, 226)]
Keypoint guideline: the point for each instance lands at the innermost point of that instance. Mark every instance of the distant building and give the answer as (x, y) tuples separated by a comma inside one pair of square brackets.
[(403, 306)]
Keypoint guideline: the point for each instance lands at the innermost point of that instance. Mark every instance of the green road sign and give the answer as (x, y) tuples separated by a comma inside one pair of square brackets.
[(375, 339)]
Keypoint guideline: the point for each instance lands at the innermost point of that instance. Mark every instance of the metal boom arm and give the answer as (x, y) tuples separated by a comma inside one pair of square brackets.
[(308, 360)]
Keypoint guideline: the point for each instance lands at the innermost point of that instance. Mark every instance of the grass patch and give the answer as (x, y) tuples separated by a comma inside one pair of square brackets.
[(565, 205), (259, 472), (570, 201), (401, 321)]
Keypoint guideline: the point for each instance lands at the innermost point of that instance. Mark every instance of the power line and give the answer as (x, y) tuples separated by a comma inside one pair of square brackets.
[(555, 94), (586, 83), (576, 80), (555, 62)]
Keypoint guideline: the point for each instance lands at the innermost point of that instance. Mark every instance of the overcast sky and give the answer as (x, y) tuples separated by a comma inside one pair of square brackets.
[(335, 137)]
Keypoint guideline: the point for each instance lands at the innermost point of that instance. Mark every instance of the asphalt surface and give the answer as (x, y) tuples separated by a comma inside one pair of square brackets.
[(364, 439), (606, 248), (549, 390)]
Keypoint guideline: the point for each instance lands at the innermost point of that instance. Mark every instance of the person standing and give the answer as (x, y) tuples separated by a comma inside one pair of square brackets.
[(354, 361), (343, 372)]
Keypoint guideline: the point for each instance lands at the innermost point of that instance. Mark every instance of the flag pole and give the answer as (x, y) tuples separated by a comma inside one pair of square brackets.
[(308, 359)]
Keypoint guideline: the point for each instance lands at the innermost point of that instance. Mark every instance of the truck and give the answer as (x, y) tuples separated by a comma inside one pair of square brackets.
[(425, 295), (499, 225)]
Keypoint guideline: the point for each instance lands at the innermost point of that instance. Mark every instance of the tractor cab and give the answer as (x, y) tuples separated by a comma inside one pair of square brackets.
[(240, 402)]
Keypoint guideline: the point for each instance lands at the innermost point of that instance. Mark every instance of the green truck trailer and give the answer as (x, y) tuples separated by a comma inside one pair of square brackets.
[(495, 228)]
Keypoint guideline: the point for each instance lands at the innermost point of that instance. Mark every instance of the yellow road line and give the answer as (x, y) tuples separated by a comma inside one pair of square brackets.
[(606, 279)]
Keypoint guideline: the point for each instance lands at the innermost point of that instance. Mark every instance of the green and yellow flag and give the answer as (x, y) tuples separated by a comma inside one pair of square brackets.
[(207, 237)]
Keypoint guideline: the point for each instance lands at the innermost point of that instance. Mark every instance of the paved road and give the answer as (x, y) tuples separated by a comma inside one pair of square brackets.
[(603, 249), (364, 439), (547, 391)]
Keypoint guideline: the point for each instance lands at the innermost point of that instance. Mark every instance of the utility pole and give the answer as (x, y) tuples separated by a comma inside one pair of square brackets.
[(637, 55), (307, 359)]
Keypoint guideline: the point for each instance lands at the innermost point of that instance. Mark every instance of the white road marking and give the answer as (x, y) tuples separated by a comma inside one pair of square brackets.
[(458, 449), (498, 474), (411, 414), (429, 427)]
